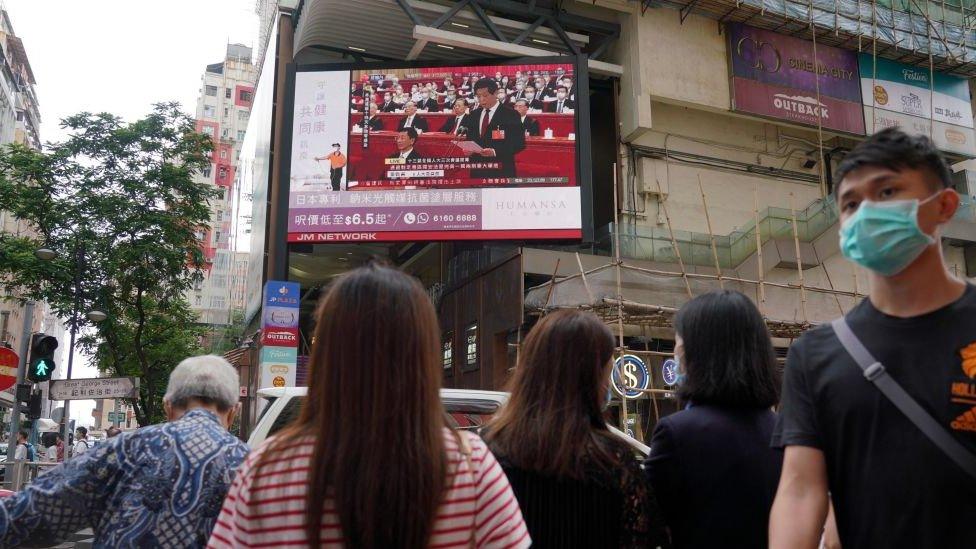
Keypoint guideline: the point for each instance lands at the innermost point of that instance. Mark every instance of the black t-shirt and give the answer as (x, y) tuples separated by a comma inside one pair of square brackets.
[(891, 486)]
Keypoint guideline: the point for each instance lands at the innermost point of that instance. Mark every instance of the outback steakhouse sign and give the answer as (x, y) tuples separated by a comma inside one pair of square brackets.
[(777, 76)]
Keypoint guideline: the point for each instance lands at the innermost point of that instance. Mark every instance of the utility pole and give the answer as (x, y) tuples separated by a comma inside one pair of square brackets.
[(21, 375), (79, 266)]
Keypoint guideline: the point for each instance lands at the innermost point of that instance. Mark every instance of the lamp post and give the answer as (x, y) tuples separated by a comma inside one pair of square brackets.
[(95, 315)]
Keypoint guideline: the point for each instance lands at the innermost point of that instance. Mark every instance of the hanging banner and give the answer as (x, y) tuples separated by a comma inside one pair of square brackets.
[(896, 94), (777, 76), (279, 334)]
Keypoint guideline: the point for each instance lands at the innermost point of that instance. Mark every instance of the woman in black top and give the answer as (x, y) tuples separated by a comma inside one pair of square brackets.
[(577, 484), (711, 465)]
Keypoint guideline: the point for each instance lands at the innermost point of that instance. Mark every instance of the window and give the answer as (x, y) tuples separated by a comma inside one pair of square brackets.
[(222, 173), (223, 134), (218, 302), (223, 152), (240, 135), (447, 352), (4, 323), (211, 90), (198, 284), (228, 93), (242, 115), (199, 301), (209, 111), (217, 238), (471, 347), (218, 281), (245, 96), (206, 171), (208, 130)]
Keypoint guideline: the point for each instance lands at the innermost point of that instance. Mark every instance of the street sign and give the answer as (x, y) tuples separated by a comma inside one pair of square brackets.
[(8, 368), (629, 376), (116, 417), (669, 371), (94, 388)]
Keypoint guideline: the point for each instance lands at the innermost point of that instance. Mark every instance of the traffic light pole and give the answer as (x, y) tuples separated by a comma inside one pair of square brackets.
[(21, 374), (79, 265)]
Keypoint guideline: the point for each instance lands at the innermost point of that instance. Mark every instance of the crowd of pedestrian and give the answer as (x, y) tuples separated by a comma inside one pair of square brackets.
[(868, 424)]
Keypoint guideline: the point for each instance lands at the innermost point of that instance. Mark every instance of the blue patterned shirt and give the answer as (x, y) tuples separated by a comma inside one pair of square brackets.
[(160, 486)]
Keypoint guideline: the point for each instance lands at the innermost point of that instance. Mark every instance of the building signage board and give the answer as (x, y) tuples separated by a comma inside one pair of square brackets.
[(630, 376), (279, 334), (778, 76), (896, 94), (94, 388)]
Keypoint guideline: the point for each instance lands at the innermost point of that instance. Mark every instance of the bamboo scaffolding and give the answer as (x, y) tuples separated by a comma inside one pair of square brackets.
[(674, 243), (586, 284), (552, 283), (799, 264), (620, 311), (711, 235)]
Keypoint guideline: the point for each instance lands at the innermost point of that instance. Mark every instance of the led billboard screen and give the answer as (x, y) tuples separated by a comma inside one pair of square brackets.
[(436, 153)]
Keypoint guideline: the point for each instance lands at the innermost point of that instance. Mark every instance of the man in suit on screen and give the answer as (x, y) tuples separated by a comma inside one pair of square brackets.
[(374, 122), (531, 126), (452, 124), (412, 119), (497, 129), (405, 140)]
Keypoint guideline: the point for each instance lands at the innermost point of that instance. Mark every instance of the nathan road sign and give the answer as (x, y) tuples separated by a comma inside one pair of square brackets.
[(94, 388)]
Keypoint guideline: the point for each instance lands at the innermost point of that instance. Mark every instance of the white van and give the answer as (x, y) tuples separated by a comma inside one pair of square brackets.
[(468, 409)]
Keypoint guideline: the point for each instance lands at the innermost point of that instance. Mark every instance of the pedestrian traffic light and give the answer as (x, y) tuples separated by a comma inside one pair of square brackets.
[(41, 357), (24, 393), (34, 406)]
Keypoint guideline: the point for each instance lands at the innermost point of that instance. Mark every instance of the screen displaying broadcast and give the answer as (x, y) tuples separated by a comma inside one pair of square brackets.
[(438, 153)]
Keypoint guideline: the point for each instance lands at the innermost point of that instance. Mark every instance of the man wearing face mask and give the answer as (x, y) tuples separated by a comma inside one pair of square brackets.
[(532, 99), (562, 103), (337, 161), (159, 486), (898, 475), (388, 104), (427, 103)]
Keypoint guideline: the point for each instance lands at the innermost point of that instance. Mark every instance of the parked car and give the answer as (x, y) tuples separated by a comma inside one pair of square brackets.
[(468, 409)]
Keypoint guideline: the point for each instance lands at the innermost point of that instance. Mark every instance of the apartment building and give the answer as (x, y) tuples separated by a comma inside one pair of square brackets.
[(223, 109)]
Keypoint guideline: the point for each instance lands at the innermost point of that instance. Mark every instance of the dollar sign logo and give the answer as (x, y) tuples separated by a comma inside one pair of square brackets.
[(630, 373)]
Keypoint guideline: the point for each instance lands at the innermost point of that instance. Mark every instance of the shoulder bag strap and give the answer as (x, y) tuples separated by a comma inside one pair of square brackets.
[(875, 372)]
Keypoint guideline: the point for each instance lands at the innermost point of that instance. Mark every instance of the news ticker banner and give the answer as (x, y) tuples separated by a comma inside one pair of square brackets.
[(444, 189), (320, 216), (896, 94), (279, 334)]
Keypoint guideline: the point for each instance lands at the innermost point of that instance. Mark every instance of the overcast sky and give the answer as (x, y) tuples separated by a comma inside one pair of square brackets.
[(121, 56)]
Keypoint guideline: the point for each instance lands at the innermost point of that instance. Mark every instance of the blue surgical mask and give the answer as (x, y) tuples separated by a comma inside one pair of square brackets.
[(680, 378), (884, 236)]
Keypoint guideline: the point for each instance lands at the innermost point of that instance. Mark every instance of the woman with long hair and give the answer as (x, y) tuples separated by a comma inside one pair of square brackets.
[(370, 462), (711, 464), (578, 485)]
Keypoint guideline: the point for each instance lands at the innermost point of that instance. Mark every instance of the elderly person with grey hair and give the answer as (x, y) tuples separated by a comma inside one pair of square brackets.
[(159, 486)]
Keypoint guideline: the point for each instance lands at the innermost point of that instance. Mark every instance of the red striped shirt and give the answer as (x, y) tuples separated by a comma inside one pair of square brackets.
[(266, 508)]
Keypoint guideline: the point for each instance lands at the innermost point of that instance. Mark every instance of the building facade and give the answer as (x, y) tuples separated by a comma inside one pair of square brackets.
[(695, 184), (223, 109), (20, 121)]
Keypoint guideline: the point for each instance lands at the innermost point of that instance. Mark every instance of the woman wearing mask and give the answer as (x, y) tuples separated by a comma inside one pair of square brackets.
[(371, 462), (577, 484), (711, 464)]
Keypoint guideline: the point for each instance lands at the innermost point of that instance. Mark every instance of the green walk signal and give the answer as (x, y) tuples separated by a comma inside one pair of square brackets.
[(41, 365)]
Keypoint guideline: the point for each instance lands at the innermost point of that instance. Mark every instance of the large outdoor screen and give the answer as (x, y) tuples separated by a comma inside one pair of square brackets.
[(436, 153)]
